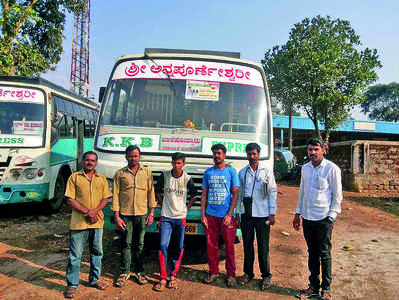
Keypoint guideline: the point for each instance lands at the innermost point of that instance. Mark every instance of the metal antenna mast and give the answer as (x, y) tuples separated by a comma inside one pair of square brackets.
[(80, 52)]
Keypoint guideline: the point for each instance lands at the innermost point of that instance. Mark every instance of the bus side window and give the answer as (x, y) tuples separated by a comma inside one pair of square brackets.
[(70, 127), (62, 128), (92, 127), (87, 128)]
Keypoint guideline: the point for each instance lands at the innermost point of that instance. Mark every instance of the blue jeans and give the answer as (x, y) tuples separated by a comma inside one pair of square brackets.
[(169, 228), (77, 240)]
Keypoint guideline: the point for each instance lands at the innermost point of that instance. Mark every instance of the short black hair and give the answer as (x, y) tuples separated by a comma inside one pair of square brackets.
[(315, 141), (252, 146), (219, 147), (178, 155), (131, 148), (90, 153)]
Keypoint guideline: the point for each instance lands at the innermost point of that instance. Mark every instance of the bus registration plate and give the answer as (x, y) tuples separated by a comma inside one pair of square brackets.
[(191, 228)]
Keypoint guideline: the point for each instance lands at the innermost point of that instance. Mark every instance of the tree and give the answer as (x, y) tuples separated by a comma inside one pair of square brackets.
[(321, 70), (382, 102), (31, 34)]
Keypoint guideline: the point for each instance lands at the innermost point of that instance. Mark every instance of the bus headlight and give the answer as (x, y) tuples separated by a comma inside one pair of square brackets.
[(16, 173), (30, 173)]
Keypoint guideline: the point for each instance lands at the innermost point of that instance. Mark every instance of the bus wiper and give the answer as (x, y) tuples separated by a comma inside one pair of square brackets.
[(167, 75)]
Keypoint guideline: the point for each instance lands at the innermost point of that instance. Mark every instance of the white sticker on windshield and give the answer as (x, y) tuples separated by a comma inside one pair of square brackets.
[(202, 90), (28, 127)]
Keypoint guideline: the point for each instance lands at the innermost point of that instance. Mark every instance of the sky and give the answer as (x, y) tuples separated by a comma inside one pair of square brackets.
[(250, 27)]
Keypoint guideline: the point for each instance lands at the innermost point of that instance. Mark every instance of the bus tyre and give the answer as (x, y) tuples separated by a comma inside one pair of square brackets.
[(59, 191), (277, 176)]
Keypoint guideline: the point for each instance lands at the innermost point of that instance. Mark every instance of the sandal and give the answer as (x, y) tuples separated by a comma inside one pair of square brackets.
[(122, 279), (210, 278), (70, 292), (265, 283), (172, 283), (308, 293), (140, 278), (160, 285), (231, 281), (325, 295), (244, 279)]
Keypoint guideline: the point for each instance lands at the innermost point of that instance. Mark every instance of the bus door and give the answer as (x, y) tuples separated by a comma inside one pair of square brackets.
[(80, 132)]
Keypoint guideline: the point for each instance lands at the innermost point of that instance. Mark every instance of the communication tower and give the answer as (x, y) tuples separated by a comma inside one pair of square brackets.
[(80, 51)]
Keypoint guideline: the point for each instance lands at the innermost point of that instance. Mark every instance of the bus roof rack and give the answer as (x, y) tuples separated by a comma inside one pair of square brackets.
[(182, 51)]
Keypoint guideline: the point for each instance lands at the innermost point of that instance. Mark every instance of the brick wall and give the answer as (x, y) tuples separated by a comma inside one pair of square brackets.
[(367, 166)]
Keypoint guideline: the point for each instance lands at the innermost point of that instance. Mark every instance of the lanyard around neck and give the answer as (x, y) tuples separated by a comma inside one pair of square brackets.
[(245, 180)]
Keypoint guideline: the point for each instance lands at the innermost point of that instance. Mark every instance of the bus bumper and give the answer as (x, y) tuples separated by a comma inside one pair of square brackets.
[(193, 227), (24, 193)]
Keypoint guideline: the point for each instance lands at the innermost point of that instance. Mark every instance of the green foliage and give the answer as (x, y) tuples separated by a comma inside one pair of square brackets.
[(321, 70), (382, 102), (31, 34)]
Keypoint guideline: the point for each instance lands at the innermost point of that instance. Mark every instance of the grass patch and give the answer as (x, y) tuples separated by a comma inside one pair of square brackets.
[(390, 205)]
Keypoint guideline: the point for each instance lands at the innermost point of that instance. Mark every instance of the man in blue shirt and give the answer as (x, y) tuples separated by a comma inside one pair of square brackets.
[(219, 198)]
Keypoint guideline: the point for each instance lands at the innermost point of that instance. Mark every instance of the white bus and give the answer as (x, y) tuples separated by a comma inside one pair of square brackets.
[(44, 130), (176, 100)]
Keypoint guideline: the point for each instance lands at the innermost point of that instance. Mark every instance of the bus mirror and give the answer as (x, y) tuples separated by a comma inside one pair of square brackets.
[(55, 122), (101, 94)]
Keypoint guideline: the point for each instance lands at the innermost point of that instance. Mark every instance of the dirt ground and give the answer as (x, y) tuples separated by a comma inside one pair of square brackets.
[(33, 253)]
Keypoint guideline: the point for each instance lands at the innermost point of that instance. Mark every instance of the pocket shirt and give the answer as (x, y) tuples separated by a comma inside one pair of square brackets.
[(88, 193), (264, 194), (133, 194), (320, 192)]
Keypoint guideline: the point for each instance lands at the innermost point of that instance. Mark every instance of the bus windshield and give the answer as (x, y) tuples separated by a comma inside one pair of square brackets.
[(21, 117), (165, 101), (171, 104)]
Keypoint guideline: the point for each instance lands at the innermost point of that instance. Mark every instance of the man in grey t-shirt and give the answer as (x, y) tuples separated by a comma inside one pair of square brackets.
[(174, 185)]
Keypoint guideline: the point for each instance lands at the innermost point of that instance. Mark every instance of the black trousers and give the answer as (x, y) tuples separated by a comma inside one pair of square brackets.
[(318, 239), (250, 225)]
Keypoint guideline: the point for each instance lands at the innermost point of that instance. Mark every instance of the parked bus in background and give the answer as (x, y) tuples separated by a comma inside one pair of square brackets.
[(177, 100), (44, 129)]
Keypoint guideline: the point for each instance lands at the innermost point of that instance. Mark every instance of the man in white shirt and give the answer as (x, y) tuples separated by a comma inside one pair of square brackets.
[(257, 205), (319, 202)]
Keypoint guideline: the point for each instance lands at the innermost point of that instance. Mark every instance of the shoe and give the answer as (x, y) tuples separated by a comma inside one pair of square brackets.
[(70, 292), (140, 278), (309, 292), (121, 281), (210, 278), (325, 295), (99, 285), (231, 281), (265, 283), (244, 279)]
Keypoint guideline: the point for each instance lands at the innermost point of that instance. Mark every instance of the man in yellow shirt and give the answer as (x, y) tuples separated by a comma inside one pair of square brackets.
[(133, 195), (87, 193)]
